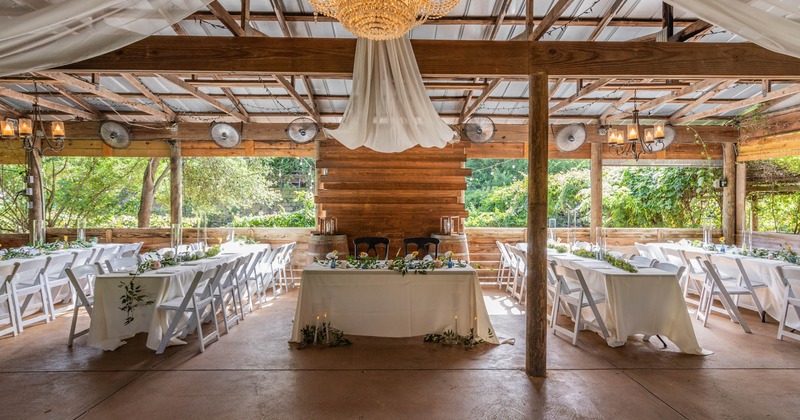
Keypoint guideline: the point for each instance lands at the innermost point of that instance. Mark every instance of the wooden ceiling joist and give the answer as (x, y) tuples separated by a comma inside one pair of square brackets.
[(702, 99), (312, 112), (138, 85), (667, 98), (580, 94), (549, 19), (277, 6), (230, 22), (325, 56), (197, 93), (479, 101), (78, 100), (45, 103), (106, 94), (782, 93), (606, 19)]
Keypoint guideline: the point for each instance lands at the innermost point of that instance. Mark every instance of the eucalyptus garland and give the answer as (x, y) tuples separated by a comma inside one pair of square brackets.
[(450, 338), (324, 336), (561, 249), (616, 262)]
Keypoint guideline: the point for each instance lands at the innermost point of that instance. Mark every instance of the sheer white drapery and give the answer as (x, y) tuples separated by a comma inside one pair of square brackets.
[(44, 34), (771, 31), (389, 110)]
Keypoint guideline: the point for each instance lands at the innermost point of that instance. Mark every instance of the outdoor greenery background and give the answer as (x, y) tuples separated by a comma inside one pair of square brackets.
[(278, 192)]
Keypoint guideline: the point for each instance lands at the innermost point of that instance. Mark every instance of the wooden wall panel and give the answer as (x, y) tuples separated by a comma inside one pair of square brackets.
[(395, 195)]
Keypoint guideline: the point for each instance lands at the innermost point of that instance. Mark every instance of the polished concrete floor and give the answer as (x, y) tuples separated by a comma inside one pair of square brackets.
[(253, 373)]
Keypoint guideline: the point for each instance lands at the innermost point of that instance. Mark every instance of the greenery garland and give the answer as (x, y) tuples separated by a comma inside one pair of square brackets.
[(449, 337), (324, 336), (561, 249), (132, 299), (616, 262)]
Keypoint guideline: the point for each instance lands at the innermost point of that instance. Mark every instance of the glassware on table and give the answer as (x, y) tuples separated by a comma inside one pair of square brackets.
[(176, 236), (80, 227), (38, 236)]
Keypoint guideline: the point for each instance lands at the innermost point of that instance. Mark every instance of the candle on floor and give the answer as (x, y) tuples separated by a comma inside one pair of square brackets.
[(456, 324), (316, 329), (327, 332)]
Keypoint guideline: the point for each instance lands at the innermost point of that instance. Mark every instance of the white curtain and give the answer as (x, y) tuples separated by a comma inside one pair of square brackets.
[(389, 110), (773, 31), (42, 34)]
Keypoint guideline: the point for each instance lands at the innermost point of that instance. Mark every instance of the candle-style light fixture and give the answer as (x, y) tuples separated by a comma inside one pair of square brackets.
[(635, 141), (28, 130)]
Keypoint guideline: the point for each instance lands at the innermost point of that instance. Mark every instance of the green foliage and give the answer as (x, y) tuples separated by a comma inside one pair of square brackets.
[(450, 338), (324, 336), (620, 263), (304, 216)]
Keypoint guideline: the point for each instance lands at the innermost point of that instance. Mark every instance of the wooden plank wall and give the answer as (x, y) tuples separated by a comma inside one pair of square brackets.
[(395, 195)]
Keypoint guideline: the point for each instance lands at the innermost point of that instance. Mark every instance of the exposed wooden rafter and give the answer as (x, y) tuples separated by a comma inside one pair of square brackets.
[(792, 90), (312, 112), (277, 6), (667, 98), (77, 99), (138, 85), (580, 94), (230, 22), (552, 16), (606, 19), (106, 94), (205, 97), (479, 101), (710, 93), (45, 103)]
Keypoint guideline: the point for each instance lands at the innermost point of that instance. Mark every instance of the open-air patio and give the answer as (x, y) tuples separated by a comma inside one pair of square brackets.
[(398, 209)]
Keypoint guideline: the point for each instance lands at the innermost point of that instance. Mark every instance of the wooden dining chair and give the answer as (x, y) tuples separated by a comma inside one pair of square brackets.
[(422, 245), (372, 243)]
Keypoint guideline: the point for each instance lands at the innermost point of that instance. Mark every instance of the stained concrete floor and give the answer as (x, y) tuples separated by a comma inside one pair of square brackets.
[(253, 373)]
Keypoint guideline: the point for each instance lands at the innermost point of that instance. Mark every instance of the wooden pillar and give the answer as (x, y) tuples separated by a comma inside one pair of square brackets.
[(536, 295), (729, 194), (741, 198), (596, 181), (175, 182), (34, 182)]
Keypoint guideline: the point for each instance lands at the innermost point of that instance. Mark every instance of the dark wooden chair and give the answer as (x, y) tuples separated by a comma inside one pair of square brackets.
[(372, 243), (422, 245)]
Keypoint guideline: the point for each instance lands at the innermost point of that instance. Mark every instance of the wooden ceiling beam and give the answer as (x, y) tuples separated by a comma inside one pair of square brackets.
[(549, 19), (585, 90), (138, 85), (310, 94), (321, 56), (230, 22), (479, 101), (501, 16), (106, 94), (606, 19), (77, 99), (667, 98), (702, 99), (45, 103), (205, 97), (245, 15), (9, 111), (312, 112), (792, 90), (277, 6)]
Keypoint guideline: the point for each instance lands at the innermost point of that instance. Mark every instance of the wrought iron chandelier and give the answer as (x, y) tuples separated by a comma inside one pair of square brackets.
[(28, 130), (380, 20), (633, 141)]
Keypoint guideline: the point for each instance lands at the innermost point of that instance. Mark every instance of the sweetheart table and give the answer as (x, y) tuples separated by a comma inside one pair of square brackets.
[(384, 303)]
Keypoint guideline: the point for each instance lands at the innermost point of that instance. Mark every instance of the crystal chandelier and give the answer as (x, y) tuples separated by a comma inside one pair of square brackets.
[(380, 20)]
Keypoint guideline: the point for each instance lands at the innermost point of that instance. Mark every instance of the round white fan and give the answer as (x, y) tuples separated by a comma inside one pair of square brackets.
[(571, 137), (115, 134), (669, 137), (479, 129), (225, 136), (302, 130)]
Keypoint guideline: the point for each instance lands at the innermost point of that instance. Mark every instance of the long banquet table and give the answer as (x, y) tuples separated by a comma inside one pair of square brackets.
[(649, 302), (384, 303), (760, 269), (108, 329)]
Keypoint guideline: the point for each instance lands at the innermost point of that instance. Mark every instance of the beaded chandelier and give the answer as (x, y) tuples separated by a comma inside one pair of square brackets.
[(380, 20)]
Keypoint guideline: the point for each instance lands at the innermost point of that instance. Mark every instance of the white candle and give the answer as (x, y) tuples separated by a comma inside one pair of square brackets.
[(456, 324), (316, 329), (327, 332)]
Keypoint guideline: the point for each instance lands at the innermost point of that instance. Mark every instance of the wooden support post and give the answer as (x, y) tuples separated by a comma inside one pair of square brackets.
[(34, 182), (176, 182), (536, 294), (596, 182), (729, 193), (741, 198)]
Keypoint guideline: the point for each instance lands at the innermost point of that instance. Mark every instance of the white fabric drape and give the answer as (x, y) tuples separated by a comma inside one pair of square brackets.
[(389, 110), (45, 34), (771, 31)]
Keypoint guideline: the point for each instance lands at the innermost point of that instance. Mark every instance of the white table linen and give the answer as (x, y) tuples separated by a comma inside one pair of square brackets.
[(108, 330), (649, 302), (383, 303)]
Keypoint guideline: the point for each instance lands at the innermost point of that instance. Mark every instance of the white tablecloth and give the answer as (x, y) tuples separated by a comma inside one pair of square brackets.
[(108, 330), (649, 302), (383, 303)]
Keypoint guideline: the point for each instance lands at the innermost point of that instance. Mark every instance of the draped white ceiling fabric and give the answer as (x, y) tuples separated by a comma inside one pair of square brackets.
[(773, 31), (37, 35), (389, 109)]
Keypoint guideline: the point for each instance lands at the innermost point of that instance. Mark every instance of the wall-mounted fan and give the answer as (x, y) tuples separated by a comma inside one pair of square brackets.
[(225, 136), (669, 137), (302, 130), (115, 134), (479, 129), (571, 137)]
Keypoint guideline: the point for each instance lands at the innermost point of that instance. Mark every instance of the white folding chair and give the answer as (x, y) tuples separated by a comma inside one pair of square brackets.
[(57, 285), (672, 256), (5, 300), (714, 287), (738, 276), (268, 275), (242, 282), (130, 250), (581, 245), (504, 266), (121, 265), (521, 271), (788, 275), (27, 281), (554, 284), (76, 274), (616, 254), (195, 304), (84, 256), (643, 250), (288, 259), (575, 302), (641, 261), (225, 294), (279, 265)]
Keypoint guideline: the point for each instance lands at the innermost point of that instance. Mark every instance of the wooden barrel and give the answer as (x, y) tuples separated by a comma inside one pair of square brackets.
[(320, 245), (456, 243)]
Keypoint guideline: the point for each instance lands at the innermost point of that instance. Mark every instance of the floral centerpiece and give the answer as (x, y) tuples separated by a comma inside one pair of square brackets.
[(616, 262), (331, 259), (364, 262)]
